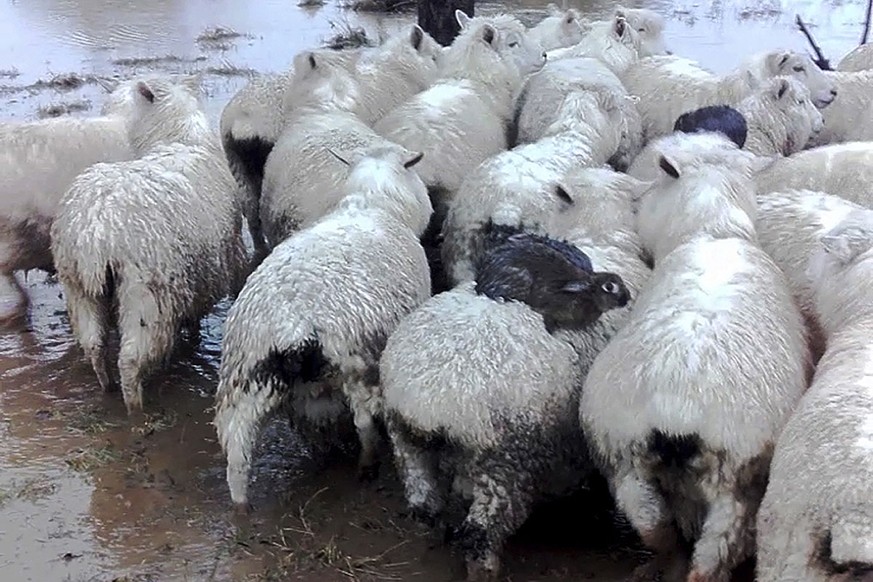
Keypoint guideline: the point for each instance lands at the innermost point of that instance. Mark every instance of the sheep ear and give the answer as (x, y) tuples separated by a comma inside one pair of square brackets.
[(619, 26), (777, 60), (416, 37), (669, 167), (488, 33), (569, 17), (562, 194), (577, 286), (416, 157), (337, 156), (463, 19), (781, 88), (304, 62), (145, 91)]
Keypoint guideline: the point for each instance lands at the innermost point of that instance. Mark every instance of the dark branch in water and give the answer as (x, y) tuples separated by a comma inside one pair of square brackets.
[(867, 22), (820, 59)]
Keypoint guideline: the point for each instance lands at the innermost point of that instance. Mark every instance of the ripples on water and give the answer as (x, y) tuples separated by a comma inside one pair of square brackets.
[(156, 502)]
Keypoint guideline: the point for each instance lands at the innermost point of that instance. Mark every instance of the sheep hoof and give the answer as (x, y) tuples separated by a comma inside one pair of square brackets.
[(423, 515), (242, 509), (648, 572), (482, 570), (368, 473)]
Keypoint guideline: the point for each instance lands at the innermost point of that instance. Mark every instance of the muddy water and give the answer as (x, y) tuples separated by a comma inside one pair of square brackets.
[(84, 495)]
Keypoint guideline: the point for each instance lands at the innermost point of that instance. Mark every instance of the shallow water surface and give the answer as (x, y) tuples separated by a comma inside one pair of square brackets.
[(86, 495)]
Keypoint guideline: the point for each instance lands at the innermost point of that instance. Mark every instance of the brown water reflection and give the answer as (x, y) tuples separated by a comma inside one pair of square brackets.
[(86, 496)]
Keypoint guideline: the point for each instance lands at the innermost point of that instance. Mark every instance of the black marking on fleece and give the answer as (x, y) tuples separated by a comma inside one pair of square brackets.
[(674, 451), (250, 154), (859, 571), (304, 362), (432, 240), (716, 118), (513, 124)]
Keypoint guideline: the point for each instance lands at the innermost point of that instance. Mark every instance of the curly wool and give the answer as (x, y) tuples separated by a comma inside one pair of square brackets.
[(336, 289), (844, 170), (789, 224), (39, 161), (119, 237), (461, 120), (614, 43), (815, 520), (517, 187), (781, 118), (669, 86)]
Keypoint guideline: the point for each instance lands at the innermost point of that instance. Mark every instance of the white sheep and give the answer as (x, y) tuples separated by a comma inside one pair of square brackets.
[(308, 328), (560, 28), (38, 162), (844, 170), (518, 187), (302, 180), (684, 404), (614, 43), (462, 120), (543, 92), (384, 76), (850, 117), (645, 167), (253, 119), (816, 520), (858, 59), (669, 86), (601, 222), (481, 390), (158, 238), (780, 117), (789, 224), (649, 25)]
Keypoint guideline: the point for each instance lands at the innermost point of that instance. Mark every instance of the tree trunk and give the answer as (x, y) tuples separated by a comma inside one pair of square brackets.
[(437, 18)]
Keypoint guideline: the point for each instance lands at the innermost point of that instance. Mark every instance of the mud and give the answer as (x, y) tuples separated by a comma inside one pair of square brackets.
[(86, 495)]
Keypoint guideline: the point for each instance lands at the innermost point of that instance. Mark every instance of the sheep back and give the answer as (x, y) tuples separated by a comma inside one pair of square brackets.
[(513, 371)]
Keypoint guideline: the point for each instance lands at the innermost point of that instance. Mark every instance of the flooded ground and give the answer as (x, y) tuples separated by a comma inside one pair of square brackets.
[(86, 496)]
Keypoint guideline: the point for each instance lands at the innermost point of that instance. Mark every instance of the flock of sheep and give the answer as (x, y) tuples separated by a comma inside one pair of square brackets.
[(532, 255)]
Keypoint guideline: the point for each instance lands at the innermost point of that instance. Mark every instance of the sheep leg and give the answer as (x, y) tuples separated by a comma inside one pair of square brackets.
[(363, 400), (646, 510), (241, 410), (418, 472), (503, 494), (90, 321), (145, 340), (727, 537), (12, 297)]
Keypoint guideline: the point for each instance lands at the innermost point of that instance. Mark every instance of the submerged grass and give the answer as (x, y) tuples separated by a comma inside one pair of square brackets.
[(379, 5), (87, 459), (347, 37), (297, 547), (58, 109)]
